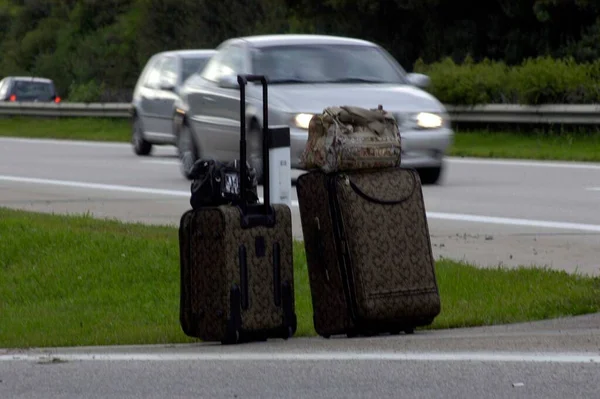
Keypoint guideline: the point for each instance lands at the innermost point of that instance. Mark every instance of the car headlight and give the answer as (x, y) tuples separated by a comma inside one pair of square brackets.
[(302, 120), (427, 120)]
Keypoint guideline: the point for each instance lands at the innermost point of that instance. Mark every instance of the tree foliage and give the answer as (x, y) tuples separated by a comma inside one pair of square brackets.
[(95, 49)]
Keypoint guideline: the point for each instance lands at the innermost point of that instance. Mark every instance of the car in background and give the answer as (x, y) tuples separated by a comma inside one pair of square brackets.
[(155, 93), (306, 74), (28, 89)]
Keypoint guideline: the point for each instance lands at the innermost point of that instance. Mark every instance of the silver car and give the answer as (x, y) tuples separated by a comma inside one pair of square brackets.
[(28, 88), (154, 96), (306, 74)]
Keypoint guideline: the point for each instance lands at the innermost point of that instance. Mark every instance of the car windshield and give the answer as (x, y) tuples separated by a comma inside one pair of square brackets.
[(192, 65), (326, 64)]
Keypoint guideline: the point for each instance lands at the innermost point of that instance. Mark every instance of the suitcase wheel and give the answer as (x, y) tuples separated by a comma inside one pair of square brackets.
[(231, 338), (326, 336), (410, 330), (288, 332), (262, 339), (395, 332)]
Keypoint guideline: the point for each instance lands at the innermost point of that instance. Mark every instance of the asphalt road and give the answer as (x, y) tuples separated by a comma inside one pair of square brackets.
[(485, 212), (549, 359)]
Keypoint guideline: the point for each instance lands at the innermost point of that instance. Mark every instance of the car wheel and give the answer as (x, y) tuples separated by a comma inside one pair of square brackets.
[(254, 150), (188, 153), (430, 175), (140, 145)]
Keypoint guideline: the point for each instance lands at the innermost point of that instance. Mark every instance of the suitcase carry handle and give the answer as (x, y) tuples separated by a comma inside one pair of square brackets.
[(250, 215)]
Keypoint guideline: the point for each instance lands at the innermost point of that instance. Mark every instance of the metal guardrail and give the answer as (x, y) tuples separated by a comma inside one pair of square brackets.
[(66, 109), (578, 114), (568, 114)]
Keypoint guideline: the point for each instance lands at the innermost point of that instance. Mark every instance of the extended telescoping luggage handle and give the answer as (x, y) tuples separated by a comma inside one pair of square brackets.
[(243, 81)]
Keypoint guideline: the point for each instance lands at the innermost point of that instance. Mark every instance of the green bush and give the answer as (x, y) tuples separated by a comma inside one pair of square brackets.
[(469, 83), (86, 92), (544, 80), (541, 80)]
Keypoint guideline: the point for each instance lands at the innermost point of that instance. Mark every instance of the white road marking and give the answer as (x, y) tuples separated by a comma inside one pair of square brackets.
[(513, 221), (82, 143), (95, 186), (161, 161), (431, 215), (315, 356), (541, 164), (593, 188)]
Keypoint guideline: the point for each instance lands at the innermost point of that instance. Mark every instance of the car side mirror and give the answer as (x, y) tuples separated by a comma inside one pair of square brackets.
[(166, 85), (419, 80), (229, 82)]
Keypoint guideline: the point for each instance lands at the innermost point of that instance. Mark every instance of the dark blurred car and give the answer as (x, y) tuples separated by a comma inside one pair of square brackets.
[(28, 89), (155, 93)]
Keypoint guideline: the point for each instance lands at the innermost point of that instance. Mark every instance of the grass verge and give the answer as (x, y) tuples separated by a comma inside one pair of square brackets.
[(568, 146), (75, 280), (97, 129)]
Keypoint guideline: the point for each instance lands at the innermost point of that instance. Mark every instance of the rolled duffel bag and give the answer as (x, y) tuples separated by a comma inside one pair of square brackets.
[(351, 138)]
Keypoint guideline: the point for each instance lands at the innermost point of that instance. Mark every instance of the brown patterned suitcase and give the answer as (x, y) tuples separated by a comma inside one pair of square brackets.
[(236, 262), (369, 255)]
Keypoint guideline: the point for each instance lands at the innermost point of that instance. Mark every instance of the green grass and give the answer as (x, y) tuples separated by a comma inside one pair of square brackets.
[(474, 296), (575, 146), (97, 129), (75, 280), (571, 146)]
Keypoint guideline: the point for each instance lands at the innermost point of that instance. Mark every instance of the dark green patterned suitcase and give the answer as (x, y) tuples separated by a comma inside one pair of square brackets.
[(236, 262), (236, 284), (369, 255)]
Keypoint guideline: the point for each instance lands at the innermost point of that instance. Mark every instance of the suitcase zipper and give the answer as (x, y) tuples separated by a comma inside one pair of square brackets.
[(321, 249), (369, 198), (341, 245), (277, 274), (243, 276)]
